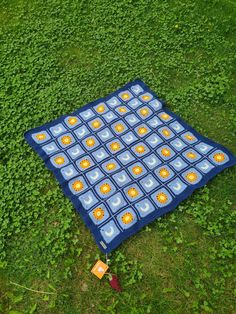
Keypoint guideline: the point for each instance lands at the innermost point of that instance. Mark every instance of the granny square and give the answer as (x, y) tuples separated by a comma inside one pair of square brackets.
[(125, 160)]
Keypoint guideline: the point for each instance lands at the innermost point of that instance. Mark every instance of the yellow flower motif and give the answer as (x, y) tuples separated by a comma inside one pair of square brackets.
[(191, 176), (66, 140), (164, 173), (98, 213), (115, 146), (77, 185), (162, 197), (119, 127), (90, 142), (142, 130), (146, 97), (105, 188), (96, 124), (166, 152), (111, 166), (140, 149), (165, 116), (125, 96), (122, 109), (72, 120), (85, 163), (189, 137), (127, 218), (137, 170), (219, 157), (191, 155), (101, 108), (133, 192), (144, 112), (59, 160), (41, 136), (166, 132)]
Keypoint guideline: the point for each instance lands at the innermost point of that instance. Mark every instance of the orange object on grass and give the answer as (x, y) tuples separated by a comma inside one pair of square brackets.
[(99, 269)]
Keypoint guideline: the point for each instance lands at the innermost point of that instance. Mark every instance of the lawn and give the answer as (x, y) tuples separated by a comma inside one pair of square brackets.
[(55, 57)]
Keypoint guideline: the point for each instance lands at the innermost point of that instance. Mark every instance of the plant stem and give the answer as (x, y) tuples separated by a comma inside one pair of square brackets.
[(37, 291)]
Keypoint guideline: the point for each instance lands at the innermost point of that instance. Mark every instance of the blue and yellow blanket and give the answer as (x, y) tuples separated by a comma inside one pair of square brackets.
[(125, 160)]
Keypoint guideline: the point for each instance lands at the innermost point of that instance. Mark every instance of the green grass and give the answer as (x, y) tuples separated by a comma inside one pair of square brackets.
[(55, 57)]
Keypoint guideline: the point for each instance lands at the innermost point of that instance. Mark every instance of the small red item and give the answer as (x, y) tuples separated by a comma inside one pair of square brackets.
[(114, 282)]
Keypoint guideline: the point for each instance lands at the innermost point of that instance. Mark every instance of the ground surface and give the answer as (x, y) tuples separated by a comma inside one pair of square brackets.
[(55, 57)]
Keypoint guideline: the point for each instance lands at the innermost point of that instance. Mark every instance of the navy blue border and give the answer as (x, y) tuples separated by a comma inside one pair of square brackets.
[(152, 216)]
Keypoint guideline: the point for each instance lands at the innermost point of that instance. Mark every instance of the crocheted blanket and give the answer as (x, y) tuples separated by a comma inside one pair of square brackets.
[(125, 160)]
